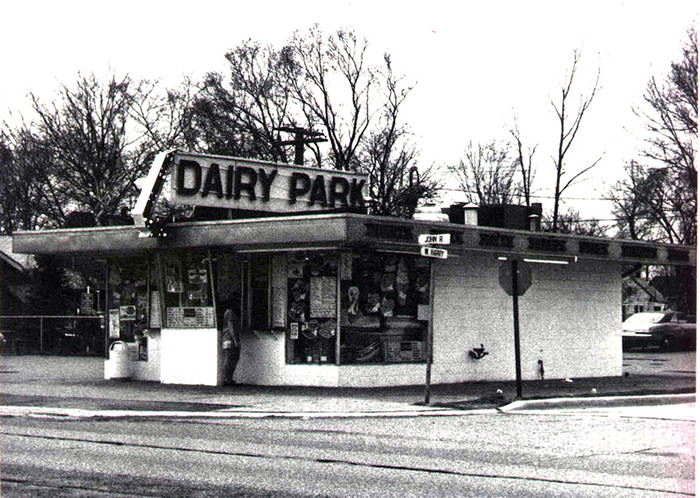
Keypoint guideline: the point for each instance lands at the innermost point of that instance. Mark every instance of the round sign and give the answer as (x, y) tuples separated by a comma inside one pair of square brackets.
[(505, 277)]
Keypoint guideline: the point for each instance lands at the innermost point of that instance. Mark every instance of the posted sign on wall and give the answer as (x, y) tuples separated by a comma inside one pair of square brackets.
[(227, 182)]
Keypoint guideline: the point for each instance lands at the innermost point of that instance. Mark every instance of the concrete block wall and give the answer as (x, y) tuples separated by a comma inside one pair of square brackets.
[(569, 318)]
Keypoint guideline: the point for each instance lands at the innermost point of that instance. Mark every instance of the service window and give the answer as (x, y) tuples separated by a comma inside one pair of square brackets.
[(133, 301), (229, 290), (188, 290)]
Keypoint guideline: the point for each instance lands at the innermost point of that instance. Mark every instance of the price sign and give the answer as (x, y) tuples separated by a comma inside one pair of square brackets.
[(434, 238), (433, 252)]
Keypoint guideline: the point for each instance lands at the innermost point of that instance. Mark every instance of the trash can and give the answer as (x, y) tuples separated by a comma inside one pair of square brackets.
[(119, 361)]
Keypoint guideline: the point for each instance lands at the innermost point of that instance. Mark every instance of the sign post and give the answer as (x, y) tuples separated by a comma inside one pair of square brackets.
[(516, 332), (429, 345), (431, 252), (515, 278)]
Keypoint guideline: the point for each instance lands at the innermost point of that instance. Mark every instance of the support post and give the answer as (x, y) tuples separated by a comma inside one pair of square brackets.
[(516, 331), (41, 335), (429, 342)]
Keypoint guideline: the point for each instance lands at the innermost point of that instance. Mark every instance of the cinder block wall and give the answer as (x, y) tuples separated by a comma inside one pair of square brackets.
[(569, 318)]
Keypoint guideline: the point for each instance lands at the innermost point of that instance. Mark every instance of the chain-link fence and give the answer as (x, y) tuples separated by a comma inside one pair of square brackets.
[(65, 335)]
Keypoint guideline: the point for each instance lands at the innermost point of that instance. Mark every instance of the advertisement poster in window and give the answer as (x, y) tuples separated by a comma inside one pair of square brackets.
[(323, 297), (155, 310), (114, 324)]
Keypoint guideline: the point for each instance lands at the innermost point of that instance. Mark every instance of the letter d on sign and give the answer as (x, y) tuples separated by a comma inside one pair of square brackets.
[(196, 173)]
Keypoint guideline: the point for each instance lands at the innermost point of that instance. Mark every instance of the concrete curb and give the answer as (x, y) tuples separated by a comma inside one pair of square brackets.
[(78, 413), (596, 401)]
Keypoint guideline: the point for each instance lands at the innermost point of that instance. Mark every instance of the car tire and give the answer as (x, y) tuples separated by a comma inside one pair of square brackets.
[(668, 344)]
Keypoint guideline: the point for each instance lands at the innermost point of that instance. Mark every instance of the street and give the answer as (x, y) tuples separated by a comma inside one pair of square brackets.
[(550, 453)]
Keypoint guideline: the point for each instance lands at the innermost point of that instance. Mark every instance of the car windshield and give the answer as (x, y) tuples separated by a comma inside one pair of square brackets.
[(644, 318)]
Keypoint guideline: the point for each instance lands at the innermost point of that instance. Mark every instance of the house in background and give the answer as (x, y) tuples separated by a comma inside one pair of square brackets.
[(15, 282), (639, 294)]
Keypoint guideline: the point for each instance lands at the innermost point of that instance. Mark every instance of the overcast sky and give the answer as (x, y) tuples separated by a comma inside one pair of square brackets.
[(476, 65)]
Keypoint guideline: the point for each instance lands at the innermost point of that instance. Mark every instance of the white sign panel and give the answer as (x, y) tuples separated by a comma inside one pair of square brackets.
[(434, 238), (433, 252), (229, 182)]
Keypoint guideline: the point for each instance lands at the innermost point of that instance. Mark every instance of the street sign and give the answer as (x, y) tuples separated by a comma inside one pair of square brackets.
[(434, 238), (505, 277), (433, 252)]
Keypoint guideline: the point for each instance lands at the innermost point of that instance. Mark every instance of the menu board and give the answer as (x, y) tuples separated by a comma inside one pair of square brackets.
[(87, 300), (190, 317)]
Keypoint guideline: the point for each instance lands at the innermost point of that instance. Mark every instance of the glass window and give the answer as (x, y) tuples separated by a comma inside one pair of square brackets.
[(188, 290), (312, 303), (384, 308), (259, 278), (133, 300), (229, 286)]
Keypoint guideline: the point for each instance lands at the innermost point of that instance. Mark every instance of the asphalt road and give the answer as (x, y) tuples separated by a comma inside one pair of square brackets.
[(651, 362), (529, 454)]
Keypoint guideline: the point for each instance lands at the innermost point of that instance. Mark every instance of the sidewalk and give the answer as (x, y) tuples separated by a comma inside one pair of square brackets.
[(73, 386)]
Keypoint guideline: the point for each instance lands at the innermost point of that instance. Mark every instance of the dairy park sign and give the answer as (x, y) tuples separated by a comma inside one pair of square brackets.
[(235, 183)]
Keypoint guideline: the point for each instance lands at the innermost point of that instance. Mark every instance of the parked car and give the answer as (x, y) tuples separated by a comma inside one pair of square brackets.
[(636, 329), (667, 330), (675, 331)]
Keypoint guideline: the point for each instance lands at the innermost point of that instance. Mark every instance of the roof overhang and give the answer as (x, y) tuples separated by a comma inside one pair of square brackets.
[(349, 231)]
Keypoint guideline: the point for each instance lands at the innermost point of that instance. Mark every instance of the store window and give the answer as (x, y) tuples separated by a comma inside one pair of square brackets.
[(259, 294), (133, 301), (372, 308), (229, 287), (312, 301), (188, 290), (384, 308)]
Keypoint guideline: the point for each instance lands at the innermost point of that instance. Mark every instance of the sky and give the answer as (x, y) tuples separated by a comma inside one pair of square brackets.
[(475, 66)]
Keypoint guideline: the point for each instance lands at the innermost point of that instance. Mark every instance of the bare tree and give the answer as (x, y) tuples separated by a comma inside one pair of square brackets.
[(85, 132), (486, 174), (388, 155), (333, 85), (571, 222), (524, 160), (241, 115), (672, 124), (569, 126), (84, 150), (165, 117), (637, 200)]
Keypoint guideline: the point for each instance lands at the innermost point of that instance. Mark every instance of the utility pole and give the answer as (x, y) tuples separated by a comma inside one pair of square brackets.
[(302, 136)]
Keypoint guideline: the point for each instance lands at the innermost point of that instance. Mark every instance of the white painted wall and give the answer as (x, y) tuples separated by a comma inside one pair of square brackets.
[(569, 318), (262, 362), (190, 356)]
